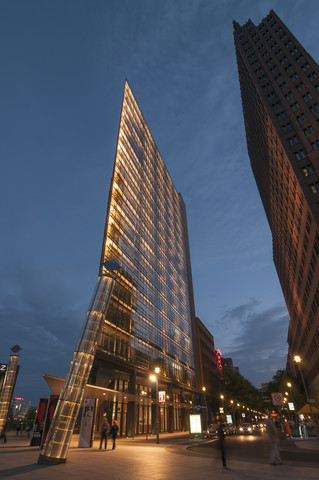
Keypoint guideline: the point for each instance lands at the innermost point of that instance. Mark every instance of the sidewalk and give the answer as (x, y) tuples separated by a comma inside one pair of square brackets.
[(138, 458)]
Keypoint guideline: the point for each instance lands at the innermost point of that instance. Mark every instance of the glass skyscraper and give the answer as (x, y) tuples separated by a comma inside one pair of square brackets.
[(150, 320)]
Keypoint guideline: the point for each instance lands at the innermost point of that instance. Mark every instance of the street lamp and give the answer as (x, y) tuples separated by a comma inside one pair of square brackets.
[(297, 359), (153, 378), (71, 396)]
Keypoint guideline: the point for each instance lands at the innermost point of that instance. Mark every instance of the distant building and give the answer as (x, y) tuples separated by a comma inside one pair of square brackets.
[(228, 365), (208, 368), (279, 84), (20, 408)]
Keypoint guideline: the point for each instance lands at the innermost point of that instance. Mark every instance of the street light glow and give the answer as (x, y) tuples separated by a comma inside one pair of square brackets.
[(152, 378), (297, 359), (157, 370)]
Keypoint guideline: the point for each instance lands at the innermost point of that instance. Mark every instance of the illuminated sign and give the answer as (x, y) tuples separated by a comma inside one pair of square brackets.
[(161, 396), (219, 364), (195, 425), (229, 419), (291, 406), (3, 368), (221, 410)]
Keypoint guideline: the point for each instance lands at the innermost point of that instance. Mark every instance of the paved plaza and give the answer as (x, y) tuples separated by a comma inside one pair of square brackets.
[(176, 457)]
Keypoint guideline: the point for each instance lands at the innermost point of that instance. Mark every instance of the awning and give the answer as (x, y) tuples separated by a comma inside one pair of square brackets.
[(91, 391), (306, 410)]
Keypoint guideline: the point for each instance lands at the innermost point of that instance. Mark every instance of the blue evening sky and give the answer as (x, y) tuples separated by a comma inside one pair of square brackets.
[(64, 63)]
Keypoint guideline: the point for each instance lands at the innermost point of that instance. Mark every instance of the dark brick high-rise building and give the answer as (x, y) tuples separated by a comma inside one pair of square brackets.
[(279, 84)]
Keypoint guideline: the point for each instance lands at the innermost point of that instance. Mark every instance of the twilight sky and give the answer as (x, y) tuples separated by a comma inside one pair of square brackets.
[(64, 63)]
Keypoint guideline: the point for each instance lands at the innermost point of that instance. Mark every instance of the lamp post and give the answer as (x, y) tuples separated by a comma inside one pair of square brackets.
[(205, 402), (71, 396), (154, 379), (297, 359), (222, 399)]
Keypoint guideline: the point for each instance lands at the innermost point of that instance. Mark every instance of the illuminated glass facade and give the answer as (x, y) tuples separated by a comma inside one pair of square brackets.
[(149, 320)]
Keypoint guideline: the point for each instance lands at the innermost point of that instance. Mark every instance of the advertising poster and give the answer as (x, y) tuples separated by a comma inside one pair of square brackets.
[(87, 423), (195, 424), (52, 403), (39, 423)]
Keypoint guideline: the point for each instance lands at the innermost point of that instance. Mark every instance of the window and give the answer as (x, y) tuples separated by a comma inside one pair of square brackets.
[(307, 96), (308, 170), (294, 106), (286, 128), (314, 108), (293, 140), (300, 154), (284, 60), (283, 85), (289, 95), (281, 115), (294, 76), (309, 130), (312, 76), (300, 86), (305, 67), (301, 118), (315, 187), (294, 51), (299, 58), (315, 145)]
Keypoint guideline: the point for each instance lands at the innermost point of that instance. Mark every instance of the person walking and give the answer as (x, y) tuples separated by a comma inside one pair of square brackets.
[(287, 429), (114, 431), (221, 436), (273, 435), (104, 433)]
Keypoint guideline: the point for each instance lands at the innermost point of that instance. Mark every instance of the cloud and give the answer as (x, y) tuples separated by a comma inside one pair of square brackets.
[(42, 316), (258, 343)]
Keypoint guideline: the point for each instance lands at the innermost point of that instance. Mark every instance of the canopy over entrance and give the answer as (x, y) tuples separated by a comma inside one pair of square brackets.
[(91, 391)]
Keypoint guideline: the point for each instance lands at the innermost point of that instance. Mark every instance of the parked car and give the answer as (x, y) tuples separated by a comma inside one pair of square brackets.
[(246, 428)]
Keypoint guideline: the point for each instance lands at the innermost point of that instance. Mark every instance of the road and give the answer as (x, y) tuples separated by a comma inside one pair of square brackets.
[(256, 448)]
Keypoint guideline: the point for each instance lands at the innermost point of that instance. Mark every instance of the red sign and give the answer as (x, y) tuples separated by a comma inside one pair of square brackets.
[(219, 364), (161, 396)]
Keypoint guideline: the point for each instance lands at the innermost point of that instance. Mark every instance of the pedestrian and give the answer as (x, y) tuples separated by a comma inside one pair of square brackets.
[(221, 436), (3, 434), (287, 429), (104, 433), (273, 435), (114, 431), (18, 428)]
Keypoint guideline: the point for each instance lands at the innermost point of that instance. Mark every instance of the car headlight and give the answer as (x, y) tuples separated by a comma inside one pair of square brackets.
[(241, 429), (249, 429)]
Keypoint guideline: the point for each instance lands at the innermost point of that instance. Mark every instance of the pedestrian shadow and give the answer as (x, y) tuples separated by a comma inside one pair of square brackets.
[(10, 472)]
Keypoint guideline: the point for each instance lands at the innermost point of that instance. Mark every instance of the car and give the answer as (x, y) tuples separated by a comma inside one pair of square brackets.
[(232, 430), (246, 428), (211, 431)]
